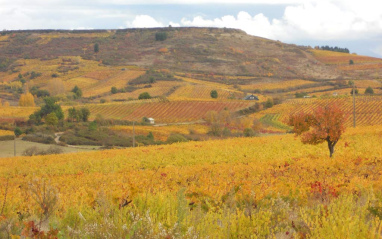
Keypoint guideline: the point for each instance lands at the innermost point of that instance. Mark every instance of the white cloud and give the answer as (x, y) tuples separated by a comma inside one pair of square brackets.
[(143, 21), (323, 20), (136, 2), (330, 20)]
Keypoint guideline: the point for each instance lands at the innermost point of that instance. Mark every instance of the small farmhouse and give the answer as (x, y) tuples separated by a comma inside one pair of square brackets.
[(151, 120), (251, 97)]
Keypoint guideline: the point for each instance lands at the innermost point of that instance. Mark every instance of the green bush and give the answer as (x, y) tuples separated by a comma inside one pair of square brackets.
[(175, 138), (34, 150), (369, 91), (356, 91), (249, 132), (39, 138), (18, 131), (160, 36), (214, 94), (144, 95)]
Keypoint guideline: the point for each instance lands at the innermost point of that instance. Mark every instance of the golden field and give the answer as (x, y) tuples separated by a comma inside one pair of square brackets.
[(368, 108), (162, 132), (240, 187)]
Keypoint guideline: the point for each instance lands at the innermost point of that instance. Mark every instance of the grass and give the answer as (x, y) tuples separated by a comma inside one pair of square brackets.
[(7, 148)]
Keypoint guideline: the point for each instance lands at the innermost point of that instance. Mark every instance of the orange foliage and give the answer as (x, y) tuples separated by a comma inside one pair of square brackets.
[(26, 99), (163, 50), (327, 123)]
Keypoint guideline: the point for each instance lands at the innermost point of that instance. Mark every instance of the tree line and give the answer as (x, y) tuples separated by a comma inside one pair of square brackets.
[(336, 49)]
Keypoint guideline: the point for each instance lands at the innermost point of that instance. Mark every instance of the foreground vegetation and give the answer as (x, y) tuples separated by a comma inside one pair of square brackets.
[(255, 187)]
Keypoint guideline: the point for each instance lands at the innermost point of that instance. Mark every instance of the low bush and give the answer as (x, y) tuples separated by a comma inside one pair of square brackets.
[(34, 150), (6, 137), (175, 138), (39, 138)]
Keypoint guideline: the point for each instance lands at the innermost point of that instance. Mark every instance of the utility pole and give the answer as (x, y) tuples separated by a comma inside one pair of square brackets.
[(354, 121), (133, 134), (14, 139)]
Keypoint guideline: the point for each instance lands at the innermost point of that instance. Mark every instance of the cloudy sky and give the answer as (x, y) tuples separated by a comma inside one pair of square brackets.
[(354, 24)]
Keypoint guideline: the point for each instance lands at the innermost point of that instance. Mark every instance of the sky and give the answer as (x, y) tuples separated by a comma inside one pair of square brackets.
[(356, 25)]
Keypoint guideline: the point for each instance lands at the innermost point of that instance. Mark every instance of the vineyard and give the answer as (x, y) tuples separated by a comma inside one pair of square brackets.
[(272, 120), (331, 57), (120, 80), (16, 112), (277, 85), (157, 89), (164, 112), (254, 187), (201, 92), (368, 108), (162, 132)]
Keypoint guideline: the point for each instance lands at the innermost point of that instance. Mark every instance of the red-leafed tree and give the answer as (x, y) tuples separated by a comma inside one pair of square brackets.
[(325, 124)]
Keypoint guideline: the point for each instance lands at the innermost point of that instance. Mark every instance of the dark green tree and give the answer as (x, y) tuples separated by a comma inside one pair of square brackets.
[(114, 90), (77, 92), (356, 91), (268, 104), (351, 62), (18, 132), (96, 48), (369, 91), (144, 95), (51, 119), (160, 36), (214, 94), (150, 136), (72, 114), (85, 113), (49, 107)]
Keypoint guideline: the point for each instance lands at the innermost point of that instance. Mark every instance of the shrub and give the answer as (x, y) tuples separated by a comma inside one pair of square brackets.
[(77, 92), (54, 150), (114, 90), (300, 94), (39, 138), (51, 119), (175, 138), (214, 94), (160, 36), (356, 91), (6, 137), (18, 131), (248, 132), (268, 104), (215, 129), (34, 150), (369, 91), (144, 95), (226, 132), (96, 48)]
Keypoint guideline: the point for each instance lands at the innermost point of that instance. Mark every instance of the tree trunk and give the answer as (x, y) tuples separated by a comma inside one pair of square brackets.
[(331, 147)]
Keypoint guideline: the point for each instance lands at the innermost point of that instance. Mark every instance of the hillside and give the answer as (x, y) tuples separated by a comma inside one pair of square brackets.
[(206, 50), (187, 65)]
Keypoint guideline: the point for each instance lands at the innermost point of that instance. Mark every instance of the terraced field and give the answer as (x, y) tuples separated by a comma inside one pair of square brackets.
[(368, 109), (165, 112)]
